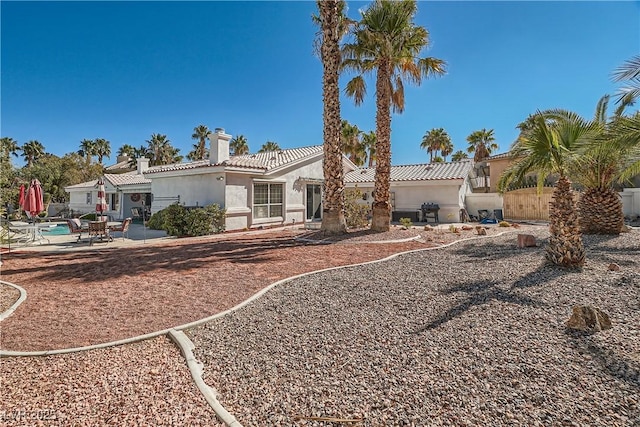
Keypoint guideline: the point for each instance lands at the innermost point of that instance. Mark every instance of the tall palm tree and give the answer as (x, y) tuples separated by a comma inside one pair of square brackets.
[(239, 145), (387, 43), (160, 151), (200, 133), (8, 147), (126, 150), (436, 140), (351, 144), (333, 24), (551, 148), (32, 151), (102, 149), (87, 149), (369, 143), (629, 72), (269, 146), (481, 144), (459, 155)]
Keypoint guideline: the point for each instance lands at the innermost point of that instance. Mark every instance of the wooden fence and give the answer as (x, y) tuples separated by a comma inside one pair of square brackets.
[(527, 204)]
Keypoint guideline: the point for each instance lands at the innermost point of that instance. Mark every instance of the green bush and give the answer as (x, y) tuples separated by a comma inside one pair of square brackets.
[(178, 221), (406, 223), (504, 224), (356, 214)]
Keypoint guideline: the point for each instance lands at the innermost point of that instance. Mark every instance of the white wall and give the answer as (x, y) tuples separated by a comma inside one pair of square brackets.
[(631, 201), (201, 190), (475, 201)]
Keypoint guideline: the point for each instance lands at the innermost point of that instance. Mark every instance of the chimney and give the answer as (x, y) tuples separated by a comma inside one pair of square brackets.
[(219, 147), (143, 164)]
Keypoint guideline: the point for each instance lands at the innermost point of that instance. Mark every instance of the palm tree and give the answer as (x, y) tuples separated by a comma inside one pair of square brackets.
[(127, 150), (32, 151), (269, 146), (481, 144), (333, 25), (369, 143), (629, 72), (598, 168), (200, 133), (436, 140), (459, 155), (387, 43), (550, 148), (160, 151), (239, 145), (102, 148), (87, 149), (8, 147), (351, 143)]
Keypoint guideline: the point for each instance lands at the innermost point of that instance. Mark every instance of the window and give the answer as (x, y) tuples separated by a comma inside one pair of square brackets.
[(267, 200), (115, 201), (88, 198)]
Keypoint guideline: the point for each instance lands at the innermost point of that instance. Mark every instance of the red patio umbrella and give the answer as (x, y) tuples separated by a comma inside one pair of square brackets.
[(33, 203), (101, 203)]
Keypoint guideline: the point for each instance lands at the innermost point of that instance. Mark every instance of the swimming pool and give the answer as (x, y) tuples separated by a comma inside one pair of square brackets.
[(57, 230)]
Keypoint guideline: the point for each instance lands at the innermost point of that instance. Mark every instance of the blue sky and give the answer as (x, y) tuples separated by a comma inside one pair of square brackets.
[(125, 70)]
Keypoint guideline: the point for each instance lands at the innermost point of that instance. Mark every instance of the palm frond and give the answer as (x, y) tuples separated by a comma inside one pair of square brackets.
[(356, 89)]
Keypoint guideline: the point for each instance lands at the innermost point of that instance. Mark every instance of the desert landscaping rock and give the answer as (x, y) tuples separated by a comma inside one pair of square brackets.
[(8, 296), (473, 334)]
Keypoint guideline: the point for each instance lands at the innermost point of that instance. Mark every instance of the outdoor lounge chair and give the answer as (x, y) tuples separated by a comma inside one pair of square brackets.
[(98, 229), (75, 227), (15, 232), (123, 228)]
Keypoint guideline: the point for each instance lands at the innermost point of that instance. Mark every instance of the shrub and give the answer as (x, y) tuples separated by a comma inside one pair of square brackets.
[(453, 229), (406, 223), (176, 220), (356, 214), (504, 224)]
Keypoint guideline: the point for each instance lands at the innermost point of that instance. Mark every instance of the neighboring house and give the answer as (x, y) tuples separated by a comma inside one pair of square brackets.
[(263, 189), (123, 191), (447, 184), (123, 164)]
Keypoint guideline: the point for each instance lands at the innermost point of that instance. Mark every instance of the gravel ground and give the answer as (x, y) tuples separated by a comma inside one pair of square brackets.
[(141, 384), (468, 335), (8, 296)]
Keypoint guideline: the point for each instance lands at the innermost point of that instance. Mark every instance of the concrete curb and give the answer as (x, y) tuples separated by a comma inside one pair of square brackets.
[(23, 296), (328, 242), (186, 347)]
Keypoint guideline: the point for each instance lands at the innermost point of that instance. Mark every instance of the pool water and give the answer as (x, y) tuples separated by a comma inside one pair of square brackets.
[(58, 230)]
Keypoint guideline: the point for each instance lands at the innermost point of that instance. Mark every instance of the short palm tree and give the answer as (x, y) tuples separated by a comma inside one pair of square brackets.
[(387, 43), (239, 145), (32, 151), (200, 133), (551, 147), (8, 147), (459, 155), (333, 24), (434, 141), (269, 146), (481, 144), (161, 152)]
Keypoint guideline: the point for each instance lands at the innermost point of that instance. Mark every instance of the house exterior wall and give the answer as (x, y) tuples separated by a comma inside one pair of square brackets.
[(496, 167), (631, 202), (409, 196), (193, 190), (488, 201), (78, 201)]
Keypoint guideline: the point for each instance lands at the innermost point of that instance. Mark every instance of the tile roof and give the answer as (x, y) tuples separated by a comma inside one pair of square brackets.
[(120, 165), (421, 172), (499, 156), (115, 179), (266, 161)]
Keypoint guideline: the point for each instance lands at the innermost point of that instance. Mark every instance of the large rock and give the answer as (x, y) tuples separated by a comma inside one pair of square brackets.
[(526, 241), (587, 318)]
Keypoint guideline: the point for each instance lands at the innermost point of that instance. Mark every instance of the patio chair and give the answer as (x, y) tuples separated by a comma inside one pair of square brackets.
[(136, 214), (98, 229), (75, 227), (15, 232), (123, 228)]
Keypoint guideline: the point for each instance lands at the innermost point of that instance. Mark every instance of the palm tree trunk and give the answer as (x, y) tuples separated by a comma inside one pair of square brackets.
[(381, 208), (565, 243), (600, 211), (333, 219)]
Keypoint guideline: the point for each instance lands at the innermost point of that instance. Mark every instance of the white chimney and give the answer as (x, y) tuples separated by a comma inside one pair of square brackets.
[(219, 146), (143, 164)]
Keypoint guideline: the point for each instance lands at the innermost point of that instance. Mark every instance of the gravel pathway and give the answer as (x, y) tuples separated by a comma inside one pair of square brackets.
[(469, 335), (140, 384), (8, 296)]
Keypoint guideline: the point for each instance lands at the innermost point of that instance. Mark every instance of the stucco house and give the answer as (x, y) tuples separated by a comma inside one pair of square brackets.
[(445, 184), (262, 189)]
